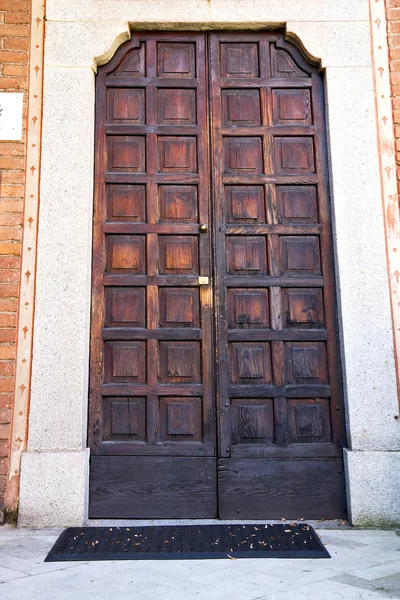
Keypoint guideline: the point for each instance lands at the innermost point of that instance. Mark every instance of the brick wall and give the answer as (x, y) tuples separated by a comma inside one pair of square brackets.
[(14, 44), (393, 25)]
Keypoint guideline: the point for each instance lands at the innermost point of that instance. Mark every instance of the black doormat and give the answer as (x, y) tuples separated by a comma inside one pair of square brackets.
[(187, 541)]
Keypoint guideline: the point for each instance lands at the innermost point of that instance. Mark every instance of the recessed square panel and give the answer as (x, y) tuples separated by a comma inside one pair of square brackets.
[(179, 254), (243, 155), (125, 419), (133, 64), (300, 255), (239, 60), (125, 307), (252, 421), (250, 363), (126, 153), (297, 203), (294, 155), (176, 59), (126, 202), (246, 255), (181, 419), (303, 308), (248, 308), (126, 254), (245, 203), (309, 421), (284, 65), (178, 203), (176, 106), (241, 107), (177, 154), (305, 362), (179, 307), (180, 362), (125, 362), (126, 106), (291, 107)]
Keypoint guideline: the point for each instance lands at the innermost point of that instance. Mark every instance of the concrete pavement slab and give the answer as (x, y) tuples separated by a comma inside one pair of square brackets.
[(364, 565)]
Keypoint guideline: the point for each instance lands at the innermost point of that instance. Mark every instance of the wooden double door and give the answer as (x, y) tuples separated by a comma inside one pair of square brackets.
[(215, 383)]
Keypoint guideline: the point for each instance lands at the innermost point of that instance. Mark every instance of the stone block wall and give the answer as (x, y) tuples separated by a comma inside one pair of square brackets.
[(14, 62)]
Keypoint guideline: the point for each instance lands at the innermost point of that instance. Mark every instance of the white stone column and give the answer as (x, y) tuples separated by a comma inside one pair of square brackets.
[(367, 340), (373, 432), (54, 470)]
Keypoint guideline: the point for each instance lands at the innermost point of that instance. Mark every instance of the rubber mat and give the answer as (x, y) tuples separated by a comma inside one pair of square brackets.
[(188, 541)]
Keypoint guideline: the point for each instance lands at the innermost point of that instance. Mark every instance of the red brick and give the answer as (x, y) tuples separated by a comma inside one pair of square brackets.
[(9, 262), (14, 4), (10, 248), (12, 206), (395, 65), (3, 482), (7, 336), (394, 54), (6, 383), (6, 401), (3, 449), (12, 57), (12, 177), (17, 43), (12, 191), (15, 83), (394, 26), (395, 78), (393, 13), (3, 466), (394, 39), (7, 367), (10, 233), (14, 30), (16, 17), (392, 4), (5, 416), (17, 70), (4, 431), (9, 276), (8, 290), (11, 162), (12, 149), (8, 305), (10, 219), (7, 352)]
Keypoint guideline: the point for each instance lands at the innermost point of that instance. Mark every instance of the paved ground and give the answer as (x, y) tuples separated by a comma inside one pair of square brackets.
[(364, 565)]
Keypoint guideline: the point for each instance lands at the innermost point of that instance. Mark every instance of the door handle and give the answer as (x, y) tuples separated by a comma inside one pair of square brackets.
[(203, 228)]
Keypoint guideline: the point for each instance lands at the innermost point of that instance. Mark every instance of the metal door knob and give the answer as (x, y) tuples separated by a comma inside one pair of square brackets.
[(203, 227)]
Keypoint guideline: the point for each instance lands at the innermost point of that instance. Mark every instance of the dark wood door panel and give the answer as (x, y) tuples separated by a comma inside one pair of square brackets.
[(132, 487), (279, 387), (257, 488), (151, 399)]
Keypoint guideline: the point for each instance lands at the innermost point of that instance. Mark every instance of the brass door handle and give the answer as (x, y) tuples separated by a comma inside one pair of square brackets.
[(203, 228)]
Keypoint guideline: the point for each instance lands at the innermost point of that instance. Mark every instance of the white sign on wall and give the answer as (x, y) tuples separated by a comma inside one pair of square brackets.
[(11, 116)]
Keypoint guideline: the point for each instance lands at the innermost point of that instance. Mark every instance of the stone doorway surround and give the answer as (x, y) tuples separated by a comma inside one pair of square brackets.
[(82, 34)]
